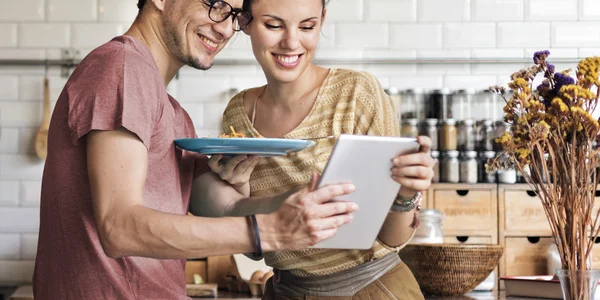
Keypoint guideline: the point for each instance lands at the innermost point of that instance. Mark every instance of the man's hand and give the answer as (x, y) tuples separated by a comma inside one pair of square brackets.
[(306, 217)]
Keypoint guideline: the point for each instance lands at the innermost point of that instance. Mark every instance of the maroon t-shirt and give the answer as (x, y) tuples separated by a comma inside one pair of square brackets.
[(118, 84)]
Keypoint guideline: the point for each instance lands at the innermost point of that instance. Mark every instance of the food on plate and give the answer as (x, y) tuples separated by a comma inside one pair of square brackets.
[(233, 134)]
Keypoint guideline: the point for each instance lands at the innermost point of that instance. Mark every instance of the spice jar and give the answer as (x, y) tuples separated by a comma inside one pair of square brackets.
[(436, 167), (461, 104), (484, 176), (409, 128), (448, 135), (466, 135), (430, 229), (450, 170), (440, 104), (429, 128), (468, 167), (485, 135)]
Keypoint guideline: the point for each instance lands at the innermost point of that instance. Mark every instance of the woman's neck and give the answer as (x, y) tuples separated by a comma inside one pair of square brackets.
[(289, 95)]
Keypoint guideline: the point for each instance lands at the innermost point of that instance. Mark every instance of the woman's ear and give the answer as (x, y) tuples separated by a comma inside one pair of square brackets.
[(323, 16)]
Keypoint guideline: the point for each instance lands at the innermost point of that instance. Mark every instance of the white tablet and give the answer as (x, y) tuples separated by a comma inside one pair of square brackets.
[(365, 161)]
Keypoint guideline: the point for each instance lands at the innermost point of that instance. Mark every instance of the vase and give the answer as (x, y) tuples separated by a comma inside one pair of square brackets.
[(578, 284)]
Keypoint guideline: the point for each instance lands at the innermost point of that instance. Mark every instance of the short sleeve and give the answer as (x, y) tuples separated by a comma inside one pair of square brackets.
[(119, 89)]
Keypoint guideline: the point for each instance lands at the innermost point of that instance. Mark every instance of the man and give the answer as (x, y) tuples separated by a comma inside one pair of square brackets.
[(115, 189)]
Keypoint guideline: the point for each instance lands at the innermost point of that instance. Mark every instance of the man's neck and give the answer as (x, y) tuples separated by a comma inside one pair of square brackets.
[(144, 28)]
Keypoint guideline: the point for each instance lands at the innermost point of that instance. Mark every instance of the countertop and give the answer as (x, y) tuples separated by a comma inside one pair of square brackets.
[(25, 293)]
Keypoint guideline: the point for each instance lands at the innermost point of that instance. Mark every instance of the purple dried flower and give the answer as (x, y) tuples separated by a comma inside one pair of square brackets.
[(551, 68), (561, 80), (540, 56)]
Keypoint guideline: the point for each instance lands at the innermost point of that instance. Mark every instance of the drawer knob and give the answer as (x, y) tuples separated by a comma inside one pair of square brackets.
[(533, 239), (462, 192), (462, 239), (532, 193)]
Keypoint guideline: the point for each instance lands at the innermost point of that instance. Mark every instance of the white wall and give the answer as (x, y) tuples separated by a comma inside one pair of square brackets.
[(39, 29)]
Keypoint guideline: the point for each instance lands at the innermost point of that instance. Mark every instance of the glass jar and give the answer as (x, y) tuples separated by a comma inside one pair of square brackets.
[(461, 104), (409, 128), (468, 167), (500, 127), (484, 176), (440, 104), (429, 128), (436, 167), (450, 170), (485, 135), (466, 135), (448, 135), (483, 106), (430, 229), (408, 100)]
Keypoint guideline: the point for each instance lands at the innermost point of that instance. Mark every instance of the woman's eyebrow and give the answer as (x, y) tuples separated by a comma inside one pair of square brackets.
[(281, 20)]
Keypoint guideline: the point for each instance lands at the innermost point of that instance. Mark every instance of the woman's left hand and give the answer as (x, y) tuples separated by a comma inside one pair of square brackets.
[(414, 171)]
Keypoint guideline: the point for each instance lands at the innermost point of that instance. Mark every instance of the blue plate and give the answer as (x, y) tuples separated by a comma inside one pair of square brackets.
[(241, 146)]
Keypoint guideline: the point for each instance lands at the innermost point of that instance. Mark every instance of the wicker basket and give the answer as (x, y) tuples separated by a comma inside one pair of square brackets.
[(449, 269)]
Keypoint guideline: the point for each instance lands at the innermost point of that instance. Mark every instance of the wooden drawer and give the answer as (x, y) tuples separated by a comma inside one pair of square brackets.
[(526, 256), (467, 212), (195, 267), (469, 240), (524, 215)]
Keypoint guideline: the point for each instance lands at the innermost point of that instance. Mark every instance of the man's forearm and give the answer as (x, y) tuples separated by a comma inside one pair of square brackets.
[(141, 231)]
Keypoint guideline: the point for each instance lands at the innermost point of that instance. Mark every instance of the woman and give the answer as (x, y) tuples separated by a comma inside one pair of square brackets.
[(303, 100)]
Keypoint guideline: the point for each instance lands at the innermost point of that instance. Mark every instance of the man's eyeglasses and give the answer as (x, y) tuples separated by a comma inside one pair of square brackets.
[(219, 11)]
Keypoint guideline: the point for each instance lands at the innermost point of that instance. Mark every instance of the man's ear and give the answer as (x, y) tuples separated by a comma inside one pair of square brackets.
[(160, 4)]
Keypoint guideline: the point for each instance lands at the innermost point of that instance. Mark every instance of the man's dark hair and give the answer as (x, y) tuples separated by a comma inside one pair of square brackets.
[(141, 3)]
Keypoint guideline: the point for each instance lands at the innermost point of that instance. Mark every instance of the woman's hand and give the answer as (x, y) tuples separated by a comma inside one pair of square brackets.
[(234, 170), (414, 171)]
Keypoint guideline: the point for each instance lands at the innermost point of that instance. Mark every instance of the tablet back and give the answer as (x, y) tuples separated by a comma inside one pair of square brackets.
[(365, 161)]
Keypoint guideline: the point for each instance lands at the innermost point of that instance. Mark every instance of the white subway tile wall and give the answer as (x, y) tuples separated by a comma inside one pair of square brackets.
[(406, 29)]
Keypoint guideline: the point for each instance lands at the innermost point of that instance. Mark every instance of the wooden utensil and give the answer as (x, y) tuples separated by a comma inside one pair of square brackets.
[(41, 138)]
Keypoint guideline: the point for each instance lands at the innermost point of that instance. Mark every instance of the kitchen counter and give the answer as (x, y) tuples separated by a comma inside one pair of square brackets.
[(25, 293)]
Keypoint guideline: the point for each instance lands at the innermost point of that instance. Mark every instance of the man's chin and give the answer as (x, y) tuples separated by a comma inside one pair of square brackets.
[(200, 64)]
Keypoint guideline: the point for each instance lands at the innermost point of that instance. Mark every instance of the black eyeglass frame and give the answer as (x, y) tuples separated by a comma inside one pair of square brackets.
[(233, 13)]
